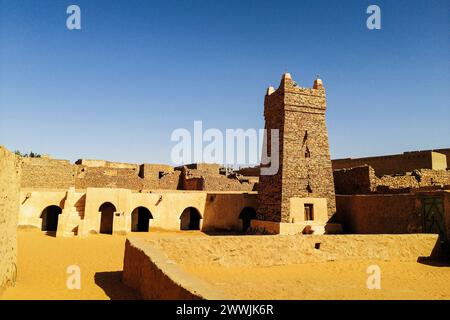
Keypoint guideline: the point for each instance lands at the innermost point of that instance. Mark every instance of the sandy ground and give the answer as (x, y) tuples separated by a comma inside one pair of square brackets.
[(43, 262), (330, 280)]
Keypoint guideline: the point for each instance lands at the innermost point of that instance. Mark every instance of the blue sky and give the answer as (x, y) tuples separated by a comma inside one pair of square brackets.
[(137, 70)]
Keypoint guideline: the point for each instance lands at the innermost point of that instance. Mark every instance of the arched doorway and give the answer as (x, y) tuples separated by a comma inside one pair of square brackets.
[(140, 219), (190, 219), (49, 218), (247, 215), (107, 211)]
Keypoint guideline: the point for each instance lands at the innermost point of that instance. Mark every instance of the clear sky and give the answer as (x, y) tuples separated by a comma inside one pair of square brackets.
[(137, 70)]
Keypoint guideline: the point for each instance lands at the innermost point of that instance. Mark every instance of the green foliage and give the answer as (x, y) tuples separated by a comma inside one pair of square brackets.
[(27, 155)]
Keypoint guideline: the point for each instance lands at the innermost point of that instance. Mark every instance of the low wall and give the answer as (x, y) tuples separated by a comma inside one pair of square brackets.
[(154, 267), (148, 270), (9, 212), (376, 214)]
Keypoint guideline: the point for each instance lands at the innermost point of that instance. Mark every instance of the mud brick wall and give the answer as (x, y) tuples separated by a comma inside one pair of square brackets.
[(47, 173), (396, 164), (299, 114), (377, 214), (447, 154), (10, 170)]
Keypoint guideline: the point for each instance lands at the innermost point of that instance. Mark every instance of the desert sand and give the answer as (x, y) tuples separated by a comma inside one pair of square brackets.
[(330, 280), (43, 261)]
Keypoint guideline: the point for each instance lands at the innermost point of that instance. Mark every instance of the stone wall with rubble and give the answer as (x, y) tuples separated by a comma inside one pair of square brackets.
[(48, 173), (10, 170), (305, 166), (208, 178), (362, 180), (398, 163), (43, 173), (358, 180)]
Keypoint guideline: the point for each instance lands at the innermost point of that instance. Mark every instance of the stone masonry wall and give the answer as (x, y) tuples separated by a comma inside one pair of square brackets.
[(211, 180), (270, 186), (9, 211), (398, 163), (305, 165), (362, 180), (48, 173), (61, 174), (357, 180)]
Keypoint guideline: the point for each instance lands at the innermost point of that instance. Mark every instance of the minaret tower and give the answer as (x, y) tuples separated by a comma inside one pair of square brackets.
[(301, 192)]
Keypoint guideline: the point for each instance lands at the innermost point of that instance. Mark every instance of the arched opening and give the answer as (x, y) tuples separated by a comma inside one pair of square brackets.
[(107, 211), (49, 218), (247, 215), (190, 219), (140, 219)]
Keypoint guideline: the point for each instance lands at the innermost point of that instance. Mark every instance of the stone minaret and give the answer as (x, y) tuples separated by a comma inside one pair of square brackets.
[(304, 181)]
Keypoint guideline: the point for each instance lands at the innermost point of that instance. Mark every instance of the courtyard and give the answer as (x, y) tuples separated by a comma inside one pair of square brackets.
[(43, 262)]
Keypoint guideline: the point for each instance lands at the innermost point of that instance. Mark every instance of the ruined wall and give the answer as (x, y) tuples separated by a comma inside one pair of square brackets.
[(357, 180), (47, 173), (377, 214), (249, 172), (107, 164), (42, 173), (209, 179), (10, 170), (305, 165), (362, 180), (433, 178), (212, 168), (395, 164), (104, 177)]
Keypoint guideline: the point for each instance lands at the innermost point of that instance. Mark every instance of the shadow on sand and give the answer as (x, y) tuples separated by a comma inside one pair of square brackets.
[(111, 283), (440, 256)]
